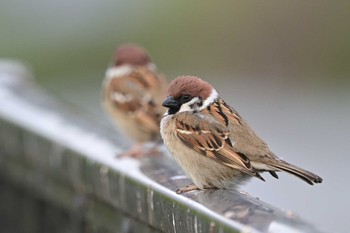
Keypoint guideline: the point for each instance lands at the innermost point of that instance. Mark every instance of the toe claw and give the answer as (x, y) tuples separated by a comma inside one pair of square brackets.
[(187, 188)]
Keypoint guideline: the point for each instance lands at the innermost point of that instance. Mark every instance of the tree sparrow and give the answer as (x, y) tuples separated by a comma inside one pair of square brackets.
[(212, 143), (133, 91)]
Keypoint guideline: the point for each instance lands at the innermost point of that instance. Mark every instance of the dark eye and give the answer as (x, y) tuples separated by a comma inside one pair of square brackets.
[(185, 98)]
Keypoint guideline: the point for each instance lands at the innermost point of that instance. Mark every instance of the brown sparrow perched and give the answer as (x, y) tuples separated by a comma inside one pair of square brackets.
[(212, 143), (133, 92)]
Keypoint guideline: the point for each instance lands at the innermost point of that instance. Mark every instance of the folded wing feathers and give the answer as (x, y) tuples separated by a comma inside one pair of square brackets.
[(214, 143)]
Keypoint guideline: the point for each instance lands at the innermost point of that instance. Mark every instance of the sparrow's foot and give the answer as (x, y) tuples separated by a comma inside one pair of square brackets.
[(138, 151), (187, 188), (154, 151)]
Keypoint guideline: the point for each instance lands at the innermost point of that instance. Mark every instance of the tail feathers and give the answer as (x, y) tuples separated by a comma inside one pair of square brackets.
[(303, 174)]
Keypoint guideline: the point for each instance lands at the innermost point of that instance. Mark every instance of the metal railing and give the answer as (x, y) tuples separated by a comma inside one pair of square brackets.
[(62, 159)]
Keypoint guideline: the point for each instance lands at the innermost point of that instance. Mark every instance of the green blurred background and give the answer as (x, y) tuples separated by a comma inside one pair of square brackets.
[(284, 65)]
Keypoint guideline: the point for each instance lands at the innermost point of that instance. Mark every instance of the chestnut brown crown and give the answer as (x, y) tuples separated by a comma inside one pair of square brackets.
[(191, 86), (131, 54)]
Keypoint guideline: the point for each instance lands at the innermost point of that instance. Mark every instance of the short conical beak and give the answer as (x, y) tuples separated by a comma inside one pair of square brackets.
[(171, 103)]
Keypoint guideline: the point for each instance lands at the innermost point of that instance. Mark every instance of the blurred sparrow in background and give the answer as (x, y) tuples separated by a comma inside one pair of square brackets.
[(133, 92), (212, 143)]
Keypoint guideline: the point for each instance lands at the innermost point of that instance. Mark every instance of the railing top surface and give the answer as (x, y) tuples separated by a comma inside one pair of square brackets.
[(28, 106)]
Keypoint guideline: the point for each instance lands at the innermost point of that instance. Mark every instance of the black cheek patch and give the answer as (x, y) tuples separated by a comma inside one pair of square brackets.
[(172, 111)]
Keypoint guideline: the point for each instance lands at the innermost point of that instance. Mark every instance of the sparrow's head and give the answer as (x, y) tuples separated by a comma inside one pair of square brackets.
[(189, 93), (132, 55)]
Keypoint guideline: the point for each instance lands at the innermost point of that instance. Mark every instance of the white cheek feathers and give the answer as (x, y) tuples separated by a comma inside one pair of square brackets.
[(123, 70), (192, 106), (210, 99), (118, 71), (189, 105)]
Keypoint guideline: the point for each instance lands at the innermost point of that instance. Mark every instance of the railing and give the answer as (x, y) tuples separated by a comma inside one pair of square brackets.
[(59, 173)]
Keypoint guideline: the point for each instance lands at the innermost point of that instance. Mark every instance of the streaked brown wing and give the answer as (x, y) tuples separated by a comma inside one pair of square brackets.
[(138, 95), (223, 113), (211, 139), (246, 141)]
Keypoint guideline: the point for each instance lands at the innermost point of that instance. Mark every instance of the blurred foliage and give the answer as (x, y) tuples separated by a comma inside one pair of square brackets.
[(278, 38)]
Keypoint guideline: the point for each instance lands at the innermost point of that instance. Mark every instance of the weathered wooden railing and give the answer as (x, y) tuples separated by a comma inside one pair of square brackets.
[(58, 173)]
